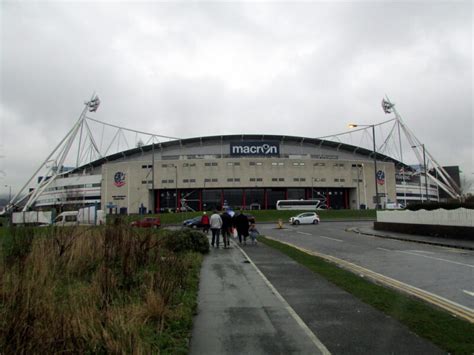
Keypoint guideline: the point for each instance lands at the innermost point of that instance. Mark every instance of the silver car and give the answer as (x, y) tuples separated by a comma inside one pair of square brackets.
[(305, 218)]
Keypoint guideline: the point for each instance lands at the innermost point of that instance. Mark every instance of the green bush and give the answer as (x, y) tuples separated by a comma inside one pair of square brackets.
[(16, 244), (433, 205), (187, 240)]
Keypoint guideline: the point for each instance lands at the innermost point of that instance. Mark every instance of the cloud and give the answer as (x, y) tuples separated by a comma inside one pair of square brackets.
[(205, 68)]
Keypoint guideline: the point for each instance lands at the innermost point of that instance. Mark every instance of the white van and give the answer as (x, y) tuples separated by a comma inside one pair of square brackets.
[(394, 206), (66, 219)]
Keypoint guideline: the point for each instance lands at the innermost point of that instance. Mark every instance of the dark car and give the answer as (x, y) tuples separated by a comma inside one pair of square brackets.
[(193, 223), (148, 222)]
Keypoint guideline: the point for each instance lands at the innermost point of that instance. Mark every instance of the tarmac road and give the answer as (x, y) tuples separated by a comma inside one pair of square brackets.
[(446, 272)]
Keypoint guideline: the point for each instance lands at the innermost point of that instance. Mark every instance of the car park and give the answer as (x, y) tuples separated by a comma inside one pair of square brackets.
[(305, 218), (148, 222)]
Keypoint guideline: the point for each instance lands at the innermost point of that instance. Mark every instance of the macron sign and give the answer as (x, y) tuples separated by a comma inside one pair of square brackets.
[(255, 148)]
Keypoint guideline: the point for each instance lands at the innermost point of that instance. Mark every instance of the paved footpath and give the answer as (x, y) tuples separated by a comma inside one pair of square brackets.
[(241, 311)]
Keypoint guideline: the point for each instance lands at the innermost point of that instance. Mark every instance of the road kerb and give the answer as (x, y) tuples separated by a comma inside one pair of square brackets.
[(454, 308)]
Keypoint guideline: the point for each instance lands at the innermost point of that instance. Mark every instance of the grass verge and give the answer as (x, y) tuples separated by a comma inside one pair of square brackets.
[(109, 289), (267, 215), (447, 332)]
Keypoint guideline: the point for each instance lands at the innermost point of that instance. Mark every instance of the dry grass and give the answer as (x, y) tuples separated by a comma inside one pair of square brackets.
[(100, 290)]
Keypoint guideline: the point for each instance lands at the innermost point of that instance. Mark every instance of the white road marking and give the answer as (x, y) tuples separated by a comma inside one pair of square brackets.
[(337, 240), (290, 310), (304, 233), (432, 257), (422, 251), (469, 293)]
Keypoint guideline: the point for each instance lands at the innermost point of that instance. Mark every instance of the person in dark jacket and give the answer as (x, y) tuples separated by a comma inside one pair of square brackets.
[(226, 228), (241, 223)]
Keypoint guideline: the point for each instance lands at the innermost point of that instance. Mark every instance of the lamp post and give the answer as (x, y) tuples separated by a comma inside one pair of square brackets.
[(424, 168), (353, 125), (176, 176)]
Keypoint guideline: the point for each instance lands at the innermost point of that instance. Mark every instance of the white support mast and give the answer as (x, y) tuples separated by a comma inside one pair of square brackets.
[(54, 162), (446, 182)]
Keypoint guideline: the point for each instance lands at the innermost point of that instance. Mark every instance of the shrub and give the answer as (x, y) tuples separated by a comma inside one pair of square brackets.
[(16, 244), (433, 205), (187, 240)]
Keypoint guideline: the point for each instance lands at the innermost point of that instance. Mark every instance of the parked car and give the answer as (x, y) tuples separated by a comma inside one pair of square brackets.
[(147, 222), (193, 223), (305, 218)]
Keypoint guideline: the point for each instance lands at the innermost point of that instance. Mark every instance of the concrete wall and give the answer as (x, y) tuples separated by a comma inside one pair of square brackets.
[(461, 217)]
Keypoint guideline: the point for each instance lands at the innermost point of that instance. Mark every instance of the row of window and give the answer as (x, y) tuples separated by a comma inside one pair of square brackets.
[(296, 179), (71, 187), (251, 163), (77, 199)]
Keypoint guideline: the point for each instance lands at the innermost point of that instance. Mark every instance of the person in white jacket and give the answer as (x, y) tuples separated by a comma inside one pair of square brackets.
[(216, 225)]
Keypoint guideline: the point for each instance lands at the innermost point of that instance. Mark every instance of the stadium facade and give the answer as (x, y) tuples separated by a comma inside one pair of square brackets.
[(242, 171)]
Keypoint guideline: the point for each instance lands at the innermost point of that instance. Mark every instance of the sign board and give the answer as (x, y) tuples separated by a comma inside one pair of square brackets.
[(262, 148)]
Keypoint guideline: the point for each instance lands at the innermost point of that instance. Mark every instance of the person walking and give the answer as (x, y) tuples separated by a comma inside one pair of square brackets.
[(226, 228), (216, 225), (205, 222), (241, 223)]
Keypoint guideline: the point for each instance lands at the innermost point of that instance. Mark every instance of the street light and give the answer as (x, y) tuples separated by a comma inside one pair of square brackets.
[(424, 167), (176, 176), (353, 125)]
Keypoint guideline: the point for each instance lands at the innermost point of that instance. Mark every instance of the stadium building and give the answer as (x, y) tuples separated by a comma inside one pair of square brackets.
[(242, 171)]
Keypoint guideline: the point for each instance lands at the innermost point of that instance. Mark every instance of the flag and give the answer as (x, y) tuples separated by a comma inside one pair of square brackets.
[(380, 177), (94, 104), (387, 106)]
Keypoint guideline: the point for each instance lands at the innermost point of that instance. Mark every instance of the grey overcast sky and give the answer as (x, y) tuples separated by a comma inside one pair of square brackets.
[(190, 69)]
